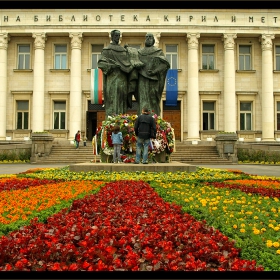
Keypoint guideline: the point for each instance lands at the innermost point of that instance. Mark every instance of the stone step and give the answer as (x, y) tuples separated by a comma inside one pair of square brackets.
[(201, 154)]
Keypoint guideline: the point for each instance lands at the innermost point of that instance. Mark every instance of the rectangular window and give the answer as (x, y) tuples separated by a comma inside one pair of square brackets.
[(59, 112), (95, 55), (245, 115), (277, 54), (208, 55), (172, 56), (278, 115), (60, 56), (22, 114), (245, 57), (208, 115), (23, 57)]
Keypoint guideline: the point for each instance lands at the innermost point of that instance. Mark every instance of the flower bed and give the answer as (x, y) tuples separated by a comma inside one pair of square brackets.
[(163, 144), (157, 221), (125, 226)]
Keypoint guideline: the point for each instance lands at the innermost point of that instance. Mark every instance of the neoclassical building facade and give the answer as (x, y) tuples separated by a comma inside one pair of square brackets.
[(228, 65)]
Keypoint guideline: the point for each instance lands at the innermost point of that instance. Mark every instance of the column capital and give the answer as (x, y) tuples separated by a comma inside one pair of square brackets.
[(228, 39), (76, 40), (157, 37), (266, 41), (40, 39), (192, 39), (4, 39)]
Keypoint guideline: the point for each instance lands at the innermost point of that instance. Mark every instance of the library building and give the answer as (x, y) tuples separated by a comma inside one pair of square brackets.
[(227, 64)]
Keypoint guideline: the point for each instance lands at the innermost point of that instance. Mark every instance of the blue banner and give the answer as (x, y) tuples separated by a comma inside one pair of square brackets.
[(171, 87)]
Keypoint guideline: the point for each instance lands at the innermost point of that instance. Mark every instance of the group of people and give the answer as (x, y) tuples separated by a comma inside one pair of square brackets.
[(145, 129), (129, 72)]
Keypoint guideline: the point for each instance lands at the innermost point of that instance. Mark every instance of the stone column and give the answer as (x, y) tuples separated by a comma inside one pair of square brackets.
[(267, 88), (4, 38), (38, 83), (229, 84), (193, 90), (75, 84)]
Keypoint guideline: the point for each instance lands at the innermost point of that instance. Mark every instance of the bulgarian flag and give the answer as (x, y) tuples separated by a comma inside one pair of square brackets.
[(96, 86)]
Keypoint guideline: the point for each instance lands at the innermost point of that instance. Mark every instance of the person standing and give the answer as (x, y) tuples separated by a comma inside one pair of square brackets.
[(152, 75), (117, 141), (78, 138), (119, 76), (145, 128)]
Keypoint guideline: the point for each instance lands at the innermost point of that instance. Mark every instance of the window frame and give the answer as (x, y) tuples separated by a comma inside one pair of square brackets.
[(59, 114), (275, 57), (95, 53), (172, 53), (24, 55), (215, 55), (23, 116), (244, 112), (277, 125), (251, 66), (54, 55), (209, 111)]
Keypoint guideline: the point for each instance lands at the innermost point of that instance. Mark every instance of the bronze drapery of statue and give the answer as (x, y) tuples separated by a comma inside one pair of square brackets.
[(119, 76), (152, 75), (129, 72)]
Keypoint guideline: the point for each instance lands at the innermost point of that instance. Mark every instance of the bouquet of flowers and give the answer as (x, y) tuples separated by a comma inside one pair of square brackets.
[(164, 141)]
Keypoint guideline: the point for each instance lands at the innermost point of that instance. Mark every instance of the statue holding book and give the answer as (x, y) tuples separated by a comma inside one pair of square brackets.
[(129, 72)]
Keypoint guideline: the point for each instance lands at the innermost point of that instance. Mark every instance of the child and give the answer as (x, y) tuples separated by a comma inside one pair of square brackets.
[(117, 141)]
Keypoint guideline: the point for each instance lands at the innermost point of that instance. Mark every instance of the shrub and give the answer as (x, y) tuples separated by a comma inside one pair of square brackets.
[(246, 155)]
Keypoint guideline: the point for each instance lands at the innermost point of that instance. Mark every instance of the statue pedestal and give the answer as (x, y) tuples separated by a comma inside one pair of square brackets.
[(106, 158), (161, 157)]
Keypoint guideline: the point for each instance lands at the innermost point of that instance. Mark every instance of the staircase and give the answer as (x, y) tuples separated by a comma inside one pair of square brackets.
[(198, 154), (185, 153), (68, 154)]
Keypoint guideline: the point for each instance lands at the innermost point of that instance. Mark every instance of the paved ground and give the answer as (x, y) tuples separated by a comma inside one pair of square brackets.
[(254, 169)]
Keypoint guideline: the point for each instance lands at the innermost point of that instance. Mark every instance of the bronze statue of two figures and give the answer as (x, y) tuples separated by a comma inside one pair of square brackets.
[(129, 72)]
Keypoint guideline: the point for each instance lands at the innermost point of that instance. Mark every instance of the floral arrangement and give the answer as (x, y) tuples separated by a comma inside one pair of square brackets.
[(164, 142)]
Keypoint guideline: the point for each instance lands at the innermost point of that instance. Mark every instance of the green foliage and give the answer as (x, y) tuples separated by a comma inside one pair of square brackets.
[(260, 156), (13, 156)]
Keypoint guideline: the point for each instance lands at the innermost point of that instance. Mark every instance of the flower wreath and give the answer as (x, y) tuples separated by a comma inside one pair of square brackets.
[(165, 138)]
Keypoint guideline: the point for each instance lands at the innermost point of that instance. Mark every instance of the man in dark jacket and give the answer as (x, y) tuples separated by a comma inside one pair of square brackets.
[(145, 128)]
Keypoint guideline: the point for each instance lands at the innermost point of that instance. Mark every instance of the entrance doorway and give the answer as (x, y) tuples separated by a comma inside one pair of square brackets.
[(172, 114), (96, 115), (91, 124)]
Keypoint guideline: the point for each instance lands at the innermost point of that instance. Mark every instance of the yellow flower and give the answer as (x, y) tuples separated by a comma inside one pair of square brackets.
[(242, 225), (276, 244), (269, 243), (276, 228), (278, 252), (242, 230), (263, 229), (234, 226), (256, 231)]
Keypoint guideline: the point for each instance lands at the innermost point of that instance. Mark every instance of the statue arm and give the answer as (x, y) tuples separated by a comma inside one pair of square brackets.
[(107, 65), (160, 64)]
